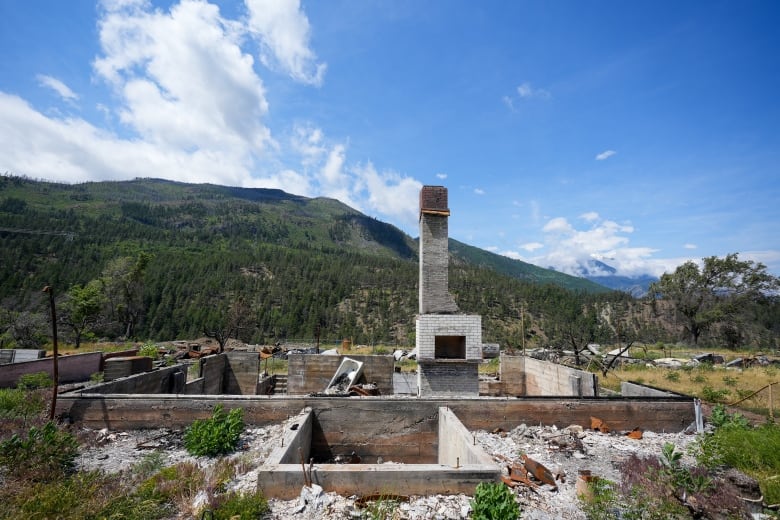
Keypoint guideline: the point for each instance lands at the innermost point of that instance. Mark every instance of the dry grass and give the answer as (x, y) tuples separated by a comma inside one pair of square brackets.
[(713, 384)]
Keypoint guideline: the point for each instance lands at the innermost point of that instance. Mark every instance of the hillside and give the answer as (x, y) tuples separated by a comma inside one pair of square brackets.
[(300, 263)]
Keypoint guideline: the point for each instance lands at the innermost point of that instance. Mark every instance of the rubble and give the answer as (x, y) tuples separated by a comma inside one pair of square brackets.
[(565, 454)]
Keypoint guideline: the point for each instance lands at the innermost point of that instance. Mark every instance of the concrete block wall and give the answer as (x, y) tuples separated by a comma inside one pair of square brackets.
[(73, 368), (311, 373), (448, 378), (431, 325)]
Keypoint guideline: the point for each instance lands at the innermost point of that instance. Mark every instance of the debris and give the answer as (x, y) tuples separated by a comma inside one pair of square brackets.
[(539, 471), (599, 425), (346, 376), (636, 433)]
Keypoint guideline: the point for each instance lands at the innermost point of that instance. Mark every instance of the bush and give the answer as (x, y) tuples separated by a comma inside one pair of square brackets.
[(494, 501), (35, 381), (217, 435), (45, 455)]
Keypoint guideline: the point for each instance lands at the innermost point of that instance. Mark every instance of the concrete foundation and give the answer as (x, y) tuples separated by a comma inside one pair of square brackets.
[(311, 373), (458, 468)]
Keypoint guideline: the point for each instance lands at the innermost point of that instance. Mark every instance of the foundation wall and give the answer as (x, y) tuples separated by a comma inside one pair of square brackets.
[(629, 389), (73, 368), (403, 417), (456, 445), (168, 380), (212, 370), (282, 474), (241, 373), (525, 376), (311, 373)]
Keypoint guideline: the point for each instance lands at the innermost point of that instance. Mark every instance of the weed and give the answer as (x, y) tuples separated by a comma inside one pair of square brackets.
[(380, 507), (672, 376), (237, 506), (45, 455), (712, 395), (698, 378), (216, 435), (719, 417), (150, 464), (149, 350), (173, 484), (494, 501), (96, 377), (729, 381), (16, 403), (34, 381)]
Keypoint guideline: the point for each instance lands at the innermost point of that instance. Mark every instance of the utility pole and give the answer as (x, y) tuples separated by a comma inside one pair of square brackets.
[(522, 326), (56, 375)]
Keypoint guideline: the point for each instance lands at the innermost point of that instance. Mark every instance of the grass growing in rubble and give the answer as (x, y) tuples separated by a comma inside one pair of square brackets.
[(753, 450), (494, 501)]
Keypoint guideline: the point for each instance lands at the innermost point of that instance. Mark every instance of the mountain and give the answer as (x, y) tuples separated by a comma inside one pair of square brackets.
[(606, 276), (301, 264)]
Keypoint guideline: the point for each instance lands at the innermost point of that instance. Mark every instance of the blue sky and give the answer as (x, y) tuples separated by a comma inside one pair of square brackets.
[(641, 134)]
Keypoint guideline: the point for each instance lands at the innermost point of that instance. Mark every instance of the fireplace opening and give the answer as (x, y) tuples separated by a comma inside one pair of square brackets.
[(450, 347)]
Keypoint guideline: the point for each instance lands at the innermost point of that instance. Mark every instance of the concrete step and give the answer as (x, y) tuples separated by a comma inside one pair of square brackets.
[(281, 385)]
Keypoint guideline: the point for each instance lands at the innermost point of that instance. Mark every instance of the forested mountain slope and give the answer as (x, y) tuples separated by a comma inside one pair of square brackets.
[(166, 260)]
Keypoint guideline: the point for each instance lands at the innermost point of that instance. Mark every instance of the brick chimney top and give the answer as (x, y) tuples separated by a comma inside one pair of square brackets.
[(433, 201)]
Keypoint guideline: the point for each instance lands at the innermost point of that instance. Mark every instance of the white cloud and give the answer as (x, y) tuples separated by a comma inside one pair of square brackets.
[(193, 107), (479, 191), (441, 176), (389, 193), (57, 86), (531, 246), (568, 249), (525, 91), (606, 154), (690, 246), (284, 32)]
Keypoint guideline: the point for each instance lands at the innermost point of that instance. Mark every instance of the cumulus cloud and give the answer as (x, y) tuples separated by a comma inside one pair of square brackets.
[(441, 176), (479, 191), (57, 86), (690, 246), (571, 250), (192, 106), (606, 154), (284, 31)]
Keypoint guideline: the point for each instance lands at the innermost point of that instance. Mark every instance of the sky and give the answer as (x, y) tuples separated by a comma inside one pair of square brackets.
[(641, 134)]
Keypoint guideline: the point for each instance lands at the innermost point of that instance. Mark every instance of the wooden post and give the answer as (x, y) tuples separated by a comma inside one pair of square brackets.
[(55, 371)]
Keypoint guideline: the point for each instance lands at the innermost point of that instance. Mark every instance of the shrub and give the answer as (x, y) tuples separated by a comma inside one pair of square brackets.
[(217, 435), (34, 381), (494, 501), (45, 455)]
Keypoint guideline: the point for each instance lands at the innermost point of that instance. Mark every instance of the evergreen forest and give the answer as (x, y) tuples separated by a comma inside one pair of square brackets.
[(158, 260)]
